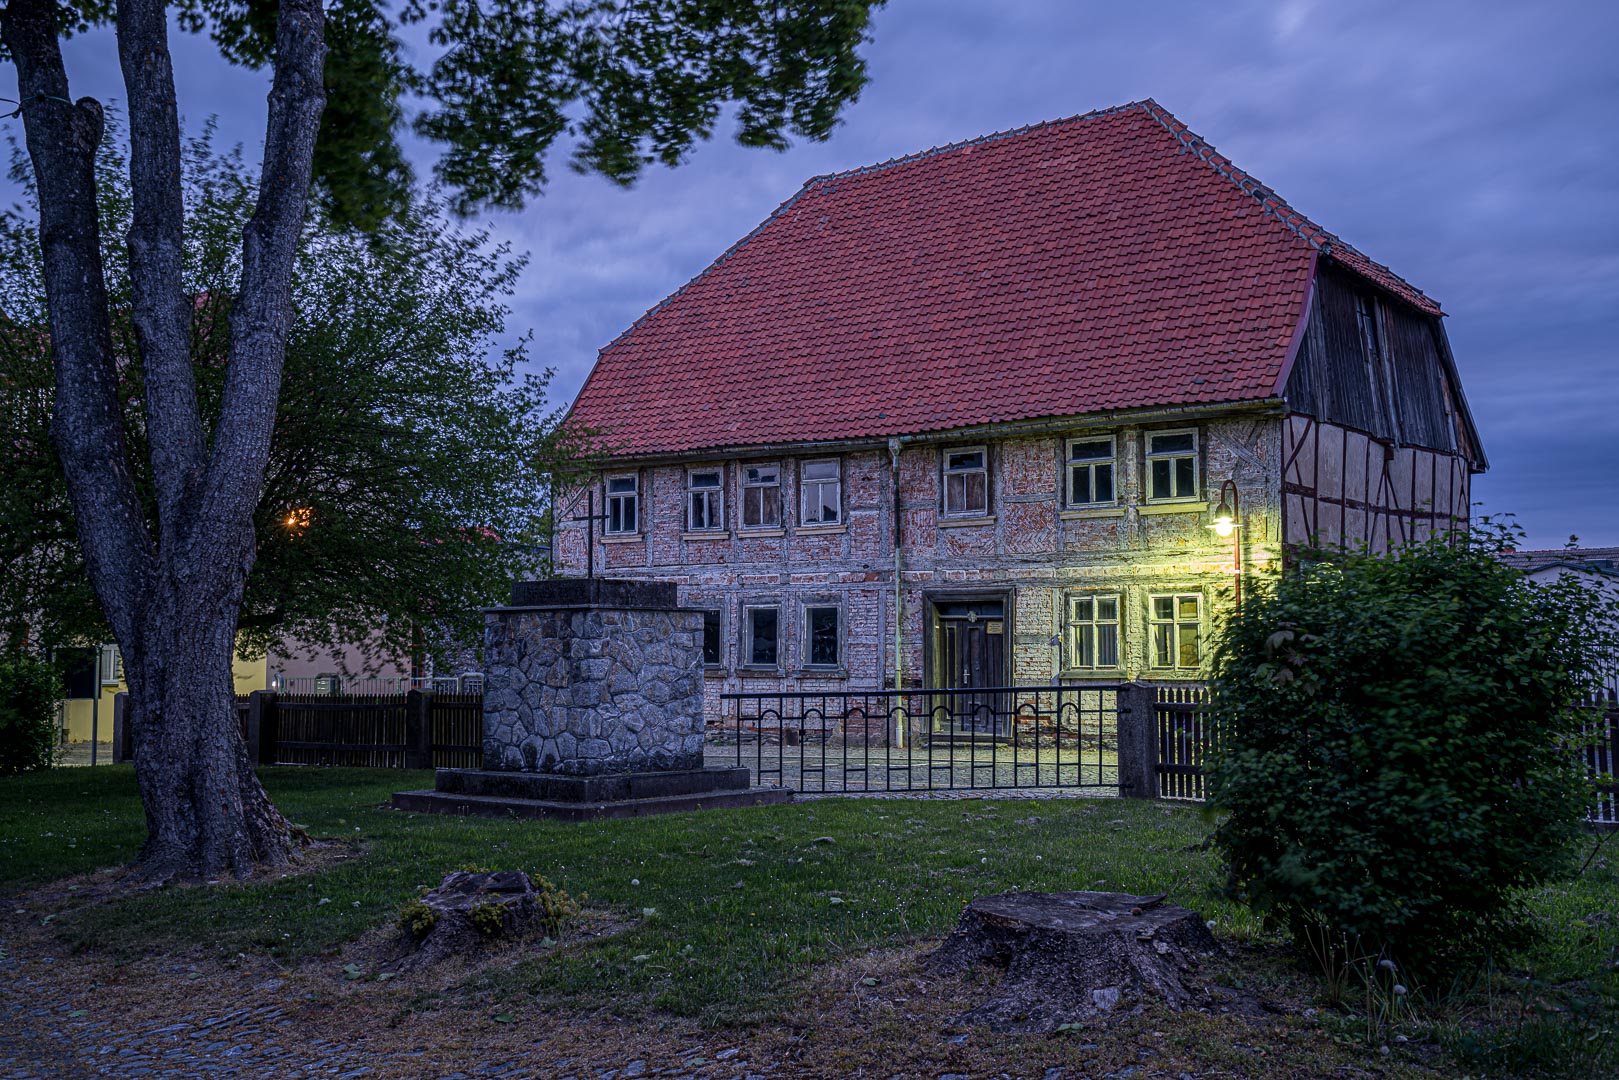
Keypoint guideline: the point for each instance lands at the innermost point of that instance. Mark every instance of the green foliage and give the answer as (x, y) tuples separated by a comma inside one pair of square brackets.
[(415, 467), (629, 82), (1394, 739), (417, 919), (556, 908), (29, 690), (488, 918)]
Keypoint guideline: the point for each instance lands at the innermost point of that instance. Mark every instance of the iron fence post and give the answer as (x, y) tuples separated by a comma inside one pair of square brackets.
[(1138, 740)]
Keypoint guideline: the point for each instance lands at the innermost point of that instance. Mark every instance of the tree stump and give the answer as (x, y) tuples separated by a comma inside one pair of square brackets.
[(1074, 956), (511, 908)]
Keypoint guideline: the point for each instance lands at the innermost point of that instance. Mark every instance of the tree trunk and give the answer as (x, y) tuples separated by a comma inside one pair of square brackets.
[(206, 812), (1076, 956), (172, 587)]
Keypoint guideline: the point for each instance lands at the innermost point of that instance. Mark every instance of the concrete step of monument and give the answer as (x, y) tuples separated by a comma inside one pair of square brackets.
[(609, 787), (439, 802)]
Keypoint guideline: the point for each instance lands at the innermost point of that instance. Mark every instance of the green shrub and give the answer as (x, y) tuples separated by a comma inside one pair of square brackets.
[(489, 918), (417, 919), (557, 908), (1393, 761), (29, 691)]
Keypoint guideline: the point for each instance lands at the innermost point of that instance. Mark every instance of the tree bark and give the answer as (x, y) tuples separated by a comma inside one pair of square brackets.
[(1075, 956), (172, 598)]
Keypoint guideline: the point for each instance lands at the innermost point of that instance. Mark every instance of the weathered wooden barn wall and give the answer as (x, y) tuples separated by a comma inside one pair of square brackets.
[(1377, 449), (1030, 547), (1345, 489)]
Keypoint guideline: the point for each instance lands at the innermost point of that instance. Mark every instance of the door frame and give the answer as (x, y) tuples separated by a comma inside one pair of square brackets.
[(932, 598)]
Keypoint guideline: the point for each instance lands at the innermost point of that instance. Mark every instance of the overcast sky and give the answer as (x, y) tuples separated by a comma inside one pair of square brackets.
[(1468, 144)]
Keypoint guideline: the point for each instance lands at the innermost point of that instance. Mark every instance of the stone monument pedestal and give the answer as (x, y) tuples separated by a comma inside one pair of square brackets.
[(593, 707)]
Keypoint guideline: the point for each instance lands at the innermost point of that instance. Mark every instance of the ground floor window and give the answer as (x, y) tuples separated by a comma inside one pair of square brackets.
[(761, 636), (1177, 630), (711, 638), (1093, 631), (821, 636)]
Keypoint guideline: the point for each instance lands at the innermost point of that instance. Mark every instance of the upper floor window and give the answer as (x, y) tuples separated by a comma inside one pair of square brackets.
[(761, 496), (1177, 630), (966, 482), (1090, 471), (761, 636), (820, 493), (1093, 631), (821, 636), (1171, 465), (705, 500), (623, 504)]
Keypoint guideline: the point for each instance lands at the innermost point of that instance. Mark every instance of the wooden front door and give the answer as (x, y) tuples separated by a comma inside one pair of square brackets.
[(970, 655)]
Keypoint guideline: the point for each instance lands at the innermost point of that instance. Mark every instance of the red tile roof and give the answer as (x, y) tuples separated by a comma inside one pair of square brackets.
[(1108, 261)]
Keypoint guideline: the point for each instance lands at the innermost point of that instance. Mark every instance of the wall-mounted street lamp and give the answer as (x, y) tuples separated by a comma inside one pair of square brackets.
[(1226, 524)]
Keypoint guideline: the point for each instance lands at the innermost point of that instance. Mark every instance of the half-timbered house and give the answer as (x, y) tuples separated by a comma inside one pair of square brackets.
[(1027, 408)]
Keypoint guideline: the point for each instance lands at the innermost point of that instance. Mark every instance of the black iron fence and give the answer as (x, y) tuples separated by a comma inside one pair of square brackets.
[(992, 738)]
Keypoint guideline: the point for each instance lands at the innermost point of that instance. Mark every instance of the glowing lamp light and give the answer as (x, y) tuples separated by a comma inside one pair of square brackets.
[(298, 518), (1225, 520)]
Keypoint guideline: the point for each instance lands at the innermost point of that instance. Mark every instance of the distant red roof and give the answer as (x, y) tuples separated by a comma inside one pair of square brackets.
[(1107, 261)]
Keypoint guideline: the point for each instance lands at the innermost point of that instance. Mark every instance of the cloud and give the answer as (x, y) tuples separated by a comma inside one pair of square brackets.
[(1462, 143)]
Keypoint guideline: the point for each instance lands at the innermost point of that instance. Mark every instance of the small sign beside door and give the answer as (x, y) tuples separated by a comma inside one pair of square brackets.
[(994, 626)]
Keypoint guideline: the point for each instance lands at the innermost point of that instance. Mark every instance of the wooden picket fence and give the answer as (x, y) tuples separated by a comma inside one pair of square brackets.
[(416, 730)]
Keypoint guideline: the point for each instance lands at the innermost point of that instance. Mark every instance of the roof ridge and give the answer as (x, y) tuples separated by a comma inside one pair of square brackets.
[(977, 140), (1270, 201)]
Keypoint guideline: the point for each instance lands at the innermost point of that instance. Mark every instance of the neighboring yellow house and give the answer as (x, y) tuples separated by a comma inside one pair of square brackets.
[(81, 716)]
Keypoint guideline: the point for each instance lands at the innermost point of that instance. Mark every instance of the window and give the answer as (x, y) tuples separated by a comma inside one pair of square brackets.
[(1171, 465), (711, 639), (1093, 631), (966, 482), (761, 496), (761, 630), (820, 493), (705, 500), (1090, 471), (821, 637), (1176, 630), (623, 504), (112, 665)]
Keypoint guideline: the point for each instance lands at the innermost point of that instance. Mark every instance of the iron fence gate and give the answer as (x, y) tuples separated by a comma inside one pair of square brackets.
[(1002, 737)]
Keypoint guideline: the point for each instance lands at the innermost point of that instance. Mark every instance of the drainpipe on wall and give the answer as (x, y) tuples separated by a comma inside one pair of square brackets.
[(899, 619)]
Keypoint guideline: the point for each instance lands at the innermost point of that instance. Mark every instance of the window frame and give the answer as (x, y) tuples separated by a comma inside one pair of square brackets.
[(745, 487), (945, 472), (719, 637), (609, 497), (808, 635), (803, 488), (1069, 465), (1175, 623), (1148, 457), (1070, 625), (714, 499), (110, 666), (745, 656)]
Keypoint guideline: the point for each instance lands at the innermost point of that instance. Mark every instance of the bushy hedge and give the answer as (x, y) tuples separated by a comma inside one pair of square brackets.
[(29, 691), (1393, 760)]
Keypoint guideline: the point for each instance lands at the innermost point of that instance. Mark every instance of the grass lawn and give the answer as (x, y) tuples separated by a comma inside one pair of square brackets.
[(730, 917)]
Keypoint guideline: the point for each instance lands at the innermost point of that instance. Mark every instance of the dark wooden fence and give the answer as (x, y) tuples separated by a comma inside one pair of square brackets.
[(418, 730), (1184, 734)]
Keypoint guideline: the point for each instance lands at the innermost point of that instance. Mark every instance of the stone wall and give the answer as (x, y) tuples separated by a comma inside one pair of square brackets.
[(587, 690)]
